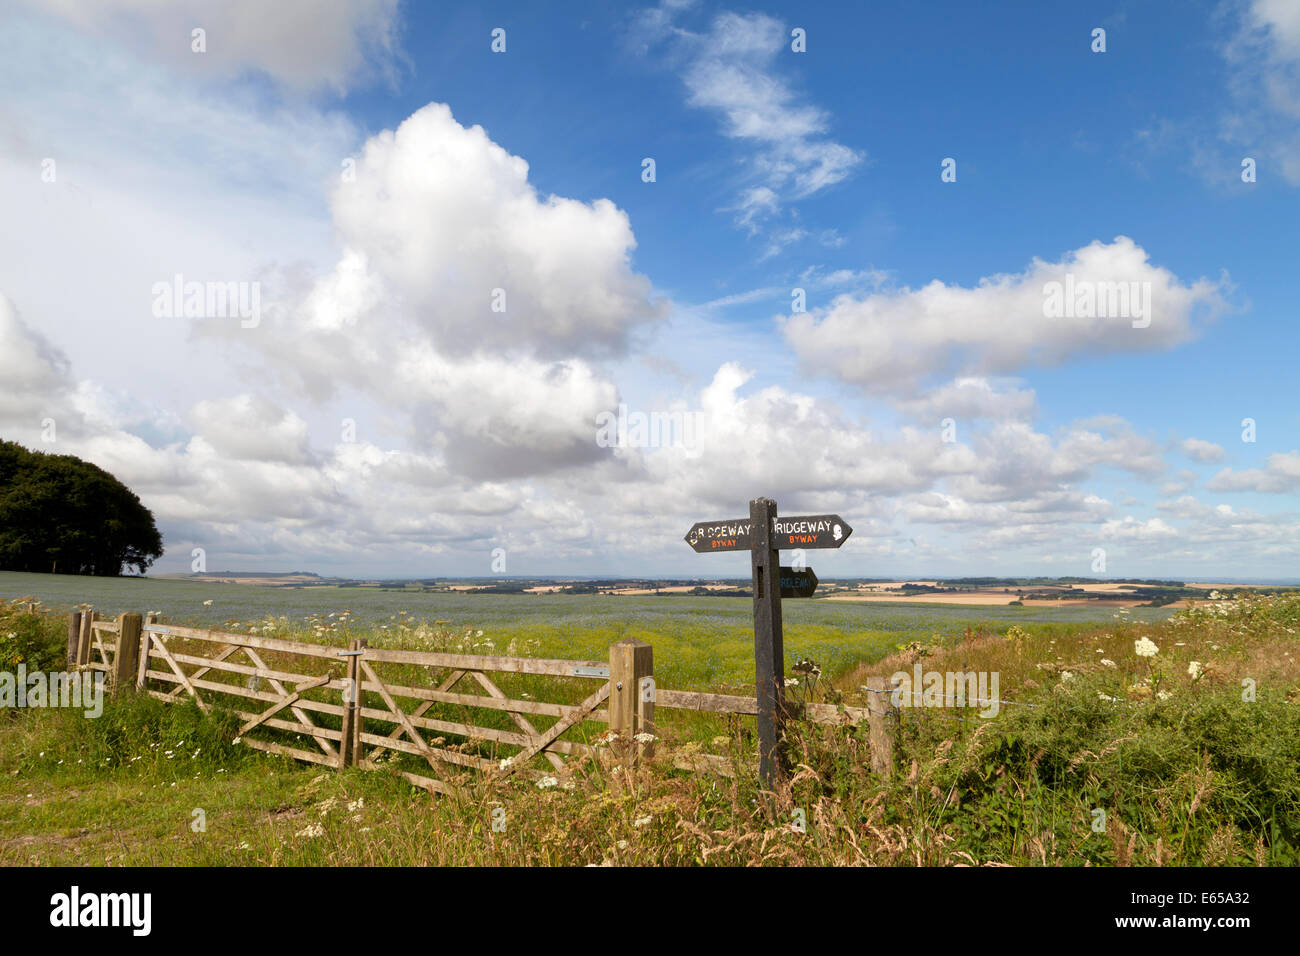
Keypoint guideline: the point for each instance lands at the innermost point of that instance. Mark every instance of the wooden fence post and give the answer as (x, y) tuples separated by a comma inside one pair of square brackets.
[(350, 737), (645, 701), (142, 667), (87, 637), (630, 662), (74, 638), (882, 718), (126, 661), (358, 720)]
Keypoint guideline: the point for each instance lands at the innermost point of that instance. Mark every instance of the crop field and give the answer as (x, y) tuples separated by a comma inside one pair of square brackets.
[(701, 643)]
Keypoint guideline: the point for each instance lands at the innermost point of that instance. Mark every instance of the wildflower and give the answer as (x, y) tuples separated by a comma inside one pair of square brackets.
[(546, 783), (642, 821), (621, 844), (207, 603), (1145, 647), (807, 666), (311, 830), (645, 738), (1163, 695), (507, 762), (1067, 675), (1195, 670), (791, 681), (1109, 700), (1107, 662)]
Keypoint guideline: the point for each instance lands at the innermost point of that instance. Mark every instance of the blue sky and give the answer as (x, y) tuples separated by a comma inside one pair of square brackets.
[(775, 170)]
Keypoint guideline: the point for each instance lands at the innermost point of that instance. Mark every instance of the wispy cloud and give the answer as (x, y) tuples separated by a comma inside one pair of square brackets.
[(302, 46), (732, 69), (1264, 56)]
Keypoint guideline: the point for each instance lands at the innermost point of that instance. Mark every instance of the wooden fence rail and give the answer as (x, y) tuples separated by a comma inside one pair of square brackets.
[(360, 706)]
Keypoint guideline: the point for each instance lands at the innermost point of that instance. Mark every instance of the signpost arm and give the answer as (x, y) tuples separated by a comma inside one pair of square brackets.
[(769, 650)]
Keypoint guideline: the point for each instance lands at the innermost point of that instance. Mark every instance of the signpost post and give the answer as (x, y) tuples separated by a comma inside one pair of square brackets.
[(763, 535), (769, 644)]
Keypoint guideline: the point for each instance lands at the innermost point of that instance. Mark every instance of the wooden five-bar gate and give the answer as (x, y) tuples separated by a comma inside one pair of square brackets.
[(357, 706)]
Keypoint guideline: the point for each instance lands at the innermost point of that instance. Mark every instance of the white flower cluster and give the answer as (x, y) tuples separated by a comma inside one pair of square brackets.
[(1145, 647)]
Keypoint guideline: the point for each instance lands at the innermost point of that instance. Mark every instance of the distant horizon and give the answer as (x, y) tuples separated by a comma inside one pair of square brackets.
[(1210, 579)]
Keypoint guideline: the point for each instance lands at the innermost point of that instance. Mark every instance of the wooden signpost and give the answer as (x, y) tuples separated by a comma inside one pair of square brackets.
[(763, 534)]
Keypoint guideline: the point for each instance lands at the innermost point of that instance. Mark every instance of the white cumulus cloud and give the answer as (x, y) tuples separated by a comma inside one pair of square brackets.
[(887, 342)]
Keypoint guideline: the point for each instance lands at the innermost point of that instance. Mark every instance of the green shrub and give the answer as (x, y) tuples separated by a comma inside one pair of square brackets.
[(37, 640), (1183, 771)]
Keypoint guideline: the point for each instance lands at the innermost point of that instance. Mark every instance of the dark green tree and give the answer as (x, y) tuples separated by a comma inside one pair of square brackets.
[(60, 514)]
